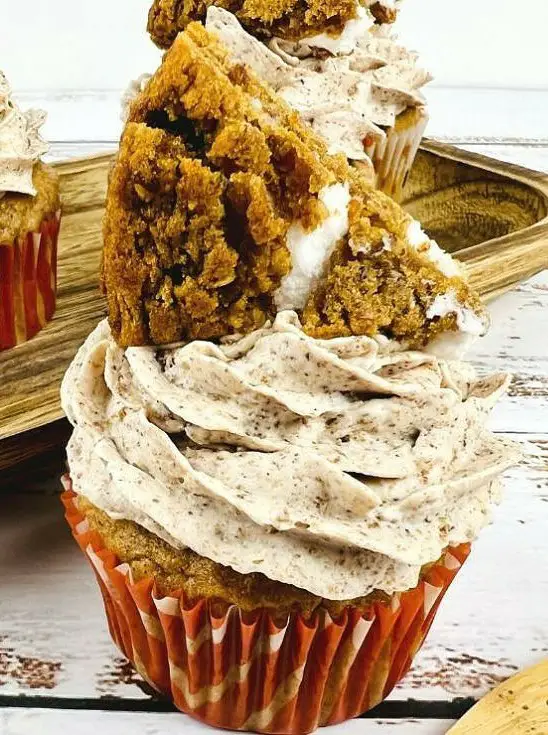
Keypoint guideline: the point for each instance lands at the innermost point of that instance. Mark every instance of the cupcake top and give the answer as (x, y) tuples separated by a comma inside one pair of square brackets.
[(347, 93), (338, 466), (29, 190), (349, 80), (21, 144)]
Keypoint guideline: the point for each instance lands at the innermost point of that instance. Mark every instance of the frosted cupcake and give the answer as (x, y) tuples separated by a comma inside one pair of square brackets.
[(341, 67), (29, 224), (273, 474)]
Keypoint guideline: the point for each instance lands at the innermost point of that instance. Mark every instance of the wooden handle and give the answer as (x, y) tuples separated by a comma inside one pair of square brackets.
[(517, 707)]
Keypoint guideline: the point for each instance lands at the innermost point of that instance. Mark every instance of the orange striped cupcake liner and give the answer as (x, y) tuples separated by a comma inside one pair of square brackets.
[(243, 671), (28, 283)]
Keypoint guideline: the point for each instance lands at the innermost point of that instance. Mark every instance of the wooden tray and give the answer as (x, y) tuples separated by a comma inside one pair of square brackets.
[(493, 215)]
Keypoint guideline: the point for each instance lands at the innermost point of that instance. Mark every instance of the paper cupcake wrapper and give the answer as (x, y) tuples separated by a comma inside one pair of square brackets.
[(393, 156), (243, 671), (28, 282)]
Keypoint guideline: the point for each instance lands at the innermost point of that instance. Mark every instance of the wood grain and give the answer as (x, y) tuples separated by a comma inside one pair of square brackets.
[(23, 448), (519, 706), (492, 215), (461, 198)]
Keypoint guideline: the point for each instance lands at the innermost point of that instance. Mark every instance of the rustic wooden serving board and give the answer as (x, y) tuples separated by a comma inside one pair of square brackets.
[(493, 215)]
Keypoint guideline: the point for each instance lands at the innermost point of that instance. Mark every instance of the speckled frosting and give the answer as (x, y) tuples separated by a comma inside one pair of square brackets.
[(339, 466), (21, 145)]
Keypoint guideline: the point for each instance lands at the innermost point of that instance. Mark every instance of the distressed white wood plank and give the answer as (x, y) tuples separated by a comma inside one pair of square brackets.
[(78, 115), (465, 112), (515, 320), (64, 151), (51, 722), (513, 345), (94, 115), (53, 638)]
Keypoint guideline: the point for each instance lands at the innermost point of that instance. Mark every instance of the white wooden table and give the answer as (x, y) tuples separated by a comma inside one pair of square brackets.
[(59, 670)]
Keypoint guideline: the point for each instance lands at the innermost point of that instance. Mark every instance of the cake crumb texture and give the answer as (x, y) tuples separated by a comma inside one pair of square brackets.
[(376, 283), (23, 213), (212, 171)]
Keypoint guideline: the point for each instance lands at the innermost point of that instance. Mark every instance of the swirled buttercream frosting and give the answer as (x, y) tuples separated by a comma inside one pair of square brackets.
[(21, 145), (340, 466)]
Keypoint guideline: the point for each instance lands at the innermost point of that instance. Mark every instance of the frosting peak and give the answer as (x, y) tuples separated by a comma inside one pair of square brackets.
[(339, 466), (21, 145)]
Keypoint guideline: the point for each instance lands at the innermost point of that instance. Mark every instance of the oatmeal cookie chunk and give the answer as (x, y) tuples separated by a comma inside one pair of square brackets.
[(224, 208)]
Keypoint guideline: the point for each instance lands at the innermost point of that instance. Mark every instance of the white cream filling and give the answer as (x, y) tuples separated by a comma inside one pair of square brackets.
[(451, 345), (418, 239), (310, 251), (347, 41), (446, 304)]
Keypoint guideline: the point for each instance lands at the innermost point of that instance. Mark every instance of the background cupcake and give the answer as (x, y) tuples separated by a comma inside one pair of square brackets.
[(344, 71), (29, 224)]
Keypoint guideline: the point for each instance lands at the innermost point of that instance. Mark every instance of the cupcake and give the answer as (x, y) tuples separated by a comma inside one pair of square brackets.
[(274, 472), (341, 67), (29, 224)]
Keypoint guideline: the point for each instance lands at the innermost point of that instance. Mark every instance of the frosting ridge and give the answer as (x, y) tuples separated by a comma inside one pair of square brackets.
[(339, 466)]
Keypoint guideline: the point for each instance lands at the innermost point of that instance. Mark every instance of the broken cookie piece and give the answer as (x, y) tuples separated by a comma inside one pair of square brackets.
[(224, 208)]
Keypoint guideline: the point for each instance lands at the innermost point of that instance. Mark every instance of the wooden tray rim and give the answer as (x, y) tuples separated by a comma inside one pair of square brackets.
[(534, 179)]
